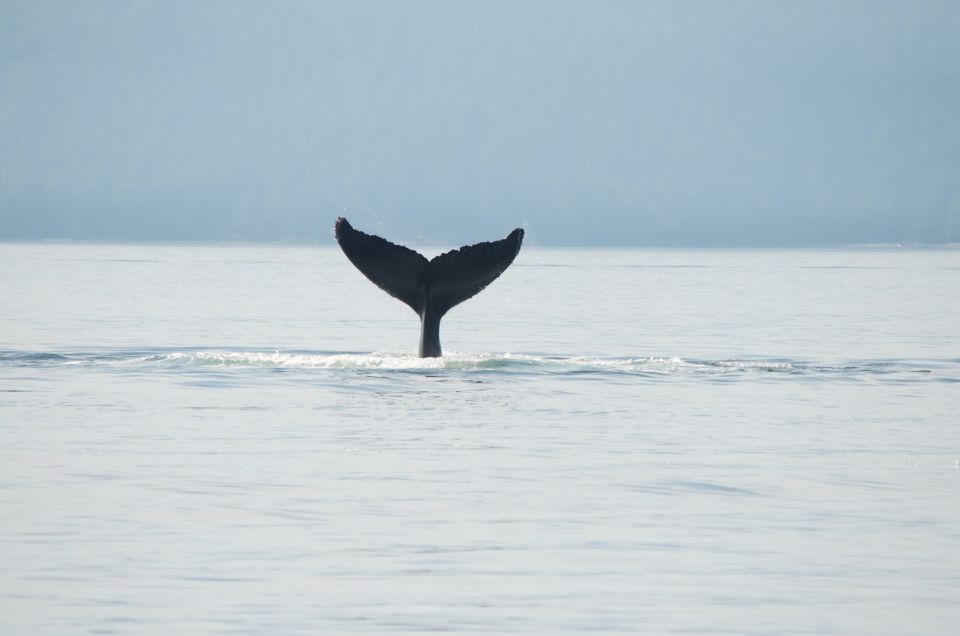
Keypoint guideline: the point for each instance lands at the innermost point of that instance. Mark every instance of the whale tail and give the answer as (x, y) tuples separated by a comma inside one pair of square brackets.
[(431, 288)]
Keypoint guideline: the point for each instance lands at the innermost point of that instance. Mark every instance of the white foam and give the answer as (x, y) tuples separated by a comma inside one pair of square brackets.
[(452, 361)]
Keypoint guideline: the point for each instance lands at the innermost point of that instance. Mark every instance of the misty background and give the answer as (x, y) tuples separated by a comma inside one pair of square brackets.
[(589, 123)]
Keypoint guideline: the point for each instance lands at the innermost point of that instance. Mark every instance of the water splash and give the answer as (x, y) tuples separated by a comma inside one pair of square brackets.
[(457, 362), (509, 363)]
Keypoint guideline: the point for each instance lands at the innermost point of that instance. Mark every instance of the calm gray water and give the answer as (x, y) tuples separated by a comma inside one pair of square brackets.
[(238, 440)]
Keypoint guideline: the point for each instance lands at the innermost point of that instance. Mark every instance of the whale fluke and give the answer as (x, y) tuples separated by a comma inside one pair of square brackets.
[(431, 288)]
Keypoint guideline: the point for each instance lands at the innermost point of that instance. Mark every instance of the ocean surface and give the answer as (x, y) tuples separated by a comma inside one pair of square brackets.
[(240, 440)]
